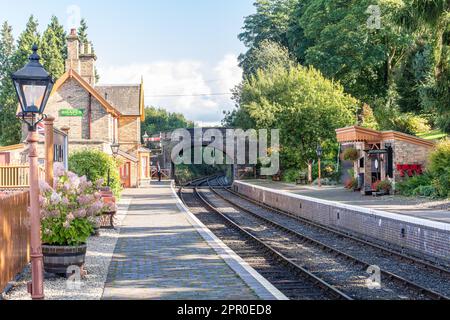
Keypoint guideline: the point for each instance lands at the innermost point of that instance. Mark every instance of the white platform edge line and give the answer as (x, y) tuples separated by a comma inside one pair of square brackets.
[(235, 262), (377, 213)]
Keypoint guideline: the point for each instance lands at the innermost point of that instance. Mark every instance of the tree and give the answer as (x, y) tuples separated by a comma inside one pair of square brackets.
[(270, 22), (11, 128), (159, 120), (367, 118), (53, 48), (82, 31), (27, 39), (60, 35), (84, 39), (433, 17), (7, 49), (8, 134), (266, 56), (303, 104)]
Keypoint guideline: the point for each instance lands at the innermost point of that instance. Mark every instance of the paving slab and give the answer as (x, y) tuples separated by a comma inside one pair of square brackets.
[(160, 255)]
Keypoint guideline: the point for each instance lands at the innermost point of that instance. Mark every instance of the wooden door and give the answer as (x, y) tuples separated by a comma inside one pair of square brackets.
[(4, 158), (125, 175)]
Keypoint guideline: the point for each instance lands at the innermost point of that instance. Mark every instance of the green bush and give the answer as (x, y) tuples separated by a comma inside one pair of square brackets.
[(425, 191), (439, 167), (409, 186), (95, 165), (291, 175)]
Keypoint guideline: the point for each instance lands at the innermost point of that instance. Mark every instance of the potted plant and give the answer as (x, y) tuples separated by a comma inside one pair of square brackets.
[(382, 187), (351, 154), (69, 212)]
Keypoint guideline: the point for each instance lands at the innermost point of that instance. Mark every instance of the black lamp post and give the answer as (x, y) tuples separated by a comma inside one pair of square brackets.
[(145, 137), (319, 152), (115, 152), (33, 86)]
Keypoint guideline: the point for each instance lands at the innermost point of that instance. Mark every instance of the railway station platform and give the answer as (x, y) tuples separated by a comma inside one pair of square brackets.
[(165, 253), (417, 208), (421, 229)]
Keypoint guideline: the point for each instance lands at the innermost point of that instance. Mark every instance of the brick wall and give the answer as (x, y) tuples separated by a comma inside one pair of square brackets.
[(407, 153), (423, 238), (72, 96)]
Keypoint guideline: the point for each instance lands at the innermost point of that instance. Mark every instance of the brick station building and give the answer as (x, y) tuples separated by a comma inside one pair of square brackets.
[(385, 155), (100, 115)]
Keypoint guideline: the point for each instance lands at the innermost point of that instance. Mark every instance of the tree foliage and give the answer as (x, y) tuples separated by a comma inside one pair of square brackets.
[(14, 55), (160, 120), (303, 104), (401, 67)]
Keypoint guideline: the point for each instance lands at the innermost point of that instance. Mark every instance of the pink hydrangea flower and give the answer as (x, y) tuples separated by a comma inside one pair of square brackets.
[(55, 198), (44, 186), (58, 169)]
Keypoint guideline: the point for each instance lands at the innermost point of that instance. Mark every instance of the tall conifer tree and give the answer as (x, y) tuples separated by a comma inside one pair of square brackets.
[(7, 100)]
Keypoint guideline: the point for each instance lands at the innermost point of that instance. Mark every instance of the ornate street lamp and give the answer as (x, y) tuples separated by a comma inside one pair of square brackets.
[(145, 137), (319, 152), (115, 147), (33, 86)]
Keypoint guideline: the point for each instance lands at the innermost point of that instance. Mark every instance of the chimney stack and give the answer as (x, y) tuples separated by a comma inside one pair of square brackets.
[(87, 64), (80, 57), (73, 52)]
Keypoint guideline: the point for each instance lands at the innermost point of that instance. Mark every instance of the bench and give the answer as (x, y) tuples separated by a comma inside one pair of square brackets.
[(302, 179), (107, 221)]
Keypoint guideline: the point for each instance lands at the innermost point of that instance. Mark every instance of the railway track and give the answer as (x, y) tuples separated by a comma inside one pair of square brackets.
[(287, 276), (436, 275), (422, 277), (280, 234)]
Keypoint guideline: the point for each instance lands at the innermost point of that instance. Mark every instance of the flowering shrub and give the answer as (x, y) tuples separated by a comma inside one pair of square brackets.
[(69, 209), (385, 186), (351, 183)]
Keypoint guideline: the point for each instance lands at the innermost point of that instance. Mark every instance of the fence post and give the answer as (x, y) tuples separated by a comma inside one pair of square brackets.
[(66, 147), (49, 149)]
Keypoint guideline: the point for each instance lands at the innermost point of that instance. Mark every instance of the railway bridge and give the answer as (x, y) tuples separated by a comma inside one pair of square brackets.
[(189, 144)]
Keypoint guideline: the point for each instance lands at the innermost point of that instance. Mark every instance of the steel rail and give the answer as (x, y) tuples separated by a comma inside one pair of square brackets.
[(398, 255), (285, 260), (418, 288)]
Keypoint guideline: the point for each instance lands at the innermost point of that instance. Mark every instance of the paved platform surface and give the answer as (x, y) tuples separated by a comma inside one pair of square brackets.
[(419, 208), (161, 256)]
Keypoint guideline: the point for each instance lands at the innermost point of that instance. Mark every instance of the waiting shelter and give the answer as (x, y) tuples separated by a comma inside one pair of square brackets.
[(384, 155)]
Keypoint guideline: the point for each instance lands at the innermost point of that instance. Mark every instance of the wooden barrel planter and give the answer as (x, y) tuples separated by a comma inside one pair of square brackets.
[(57, 259)]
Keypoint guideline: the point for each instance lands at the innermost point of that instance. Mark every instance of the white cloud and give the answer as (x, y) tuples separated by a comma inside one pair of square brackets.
[(187, 78)]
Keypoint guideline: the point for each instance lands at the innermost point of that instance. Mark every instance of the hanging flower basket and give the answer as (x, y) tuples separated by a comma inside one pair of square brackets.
[(351, 154)]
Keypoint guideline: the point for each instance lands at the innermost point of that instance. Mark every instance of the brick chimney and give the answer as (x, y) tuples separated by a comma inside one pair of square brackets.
[(87, 63), (80, 57), (73, 52)]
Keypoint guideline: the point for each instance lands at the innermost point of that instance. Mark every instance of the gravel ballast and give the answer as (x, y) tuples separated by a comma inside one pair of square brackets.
[(98, 258)]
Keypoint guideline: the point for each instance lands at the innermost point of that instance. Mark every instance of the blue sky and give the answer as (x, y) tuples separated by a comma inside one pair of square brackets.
[(180, 47)]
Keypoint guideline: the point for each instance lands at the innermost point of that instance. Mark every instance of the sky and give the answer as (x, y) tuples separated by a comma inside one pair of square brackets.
[(186, 50)]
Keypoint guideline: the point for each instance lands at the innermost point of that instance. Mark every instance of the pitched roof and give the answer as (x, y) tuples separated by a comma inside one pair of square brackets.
[(71, 74), (126, 98)]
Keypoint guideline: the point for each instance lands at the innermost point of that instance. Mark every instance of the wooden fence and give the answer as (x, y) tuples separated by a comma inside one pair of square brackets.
[(16, 176), (14, 236)]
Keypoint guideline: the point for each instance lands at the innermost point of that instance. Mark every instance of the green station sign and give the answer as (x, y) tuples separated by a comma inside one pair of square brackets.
[(71, 112)]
